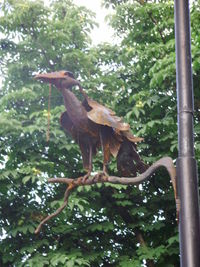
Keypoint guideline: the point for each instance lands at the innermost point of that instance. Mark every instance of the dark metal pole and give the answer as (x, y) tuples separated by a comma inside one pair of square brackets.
[(186, 164)]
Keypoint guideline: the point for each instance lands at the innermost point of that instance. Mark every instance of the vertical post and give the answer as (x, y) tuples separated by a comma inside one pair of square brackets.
[(189, 226)]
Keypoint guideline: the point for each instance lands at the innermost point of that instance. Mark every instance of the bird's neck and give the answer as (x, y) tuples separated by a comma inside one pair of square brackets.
[(74, 107), (70, 100)]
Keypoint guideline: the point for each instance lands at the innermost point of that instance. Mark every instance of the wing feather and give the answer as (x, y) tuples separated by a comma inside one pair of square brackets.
[(105, 116)]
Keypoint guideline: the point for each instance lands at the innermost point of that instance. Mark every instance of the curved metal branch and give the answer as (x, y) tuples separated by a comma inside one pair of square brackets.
[(166, 162), (66, 196)]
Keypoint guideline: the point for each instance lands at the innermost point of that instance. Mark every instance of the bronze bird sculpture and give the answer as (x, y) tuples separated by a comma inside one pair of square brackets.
[(93, 125)]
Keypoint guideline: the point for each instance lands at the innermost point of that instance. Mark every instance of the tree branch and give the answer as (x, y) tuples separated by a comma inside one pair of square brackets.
[(156, 23), (142, 2), (140, 239)]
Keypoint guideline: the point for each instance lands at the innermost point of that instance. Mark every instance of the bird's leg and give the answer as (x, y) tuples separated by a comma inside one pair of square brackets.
[(106, 151), (87, 175), (105, 168)]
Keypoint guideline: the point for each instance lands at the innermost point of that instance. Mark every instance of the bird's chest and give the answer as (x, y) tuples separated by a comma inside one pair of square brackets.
[(79, 117), (88, 129)]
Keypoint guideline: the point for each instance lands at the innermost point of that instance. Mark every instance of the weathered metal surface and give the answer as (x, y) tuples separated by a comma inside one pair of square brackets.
[(93, 125)]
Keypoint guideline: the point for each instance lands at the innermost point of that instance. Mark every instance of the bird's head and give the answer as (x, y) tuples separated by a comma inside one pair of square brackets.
[(61, 79)]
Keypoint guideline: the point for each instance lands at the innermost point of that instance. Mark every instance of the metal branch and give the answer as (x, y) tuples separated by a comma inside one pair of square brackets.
[(66, 196), (104, 178)]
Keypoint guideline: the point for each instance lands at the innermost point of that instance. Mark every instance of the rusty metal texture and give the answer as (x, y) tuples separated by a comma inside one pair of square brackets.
[(93, 125)]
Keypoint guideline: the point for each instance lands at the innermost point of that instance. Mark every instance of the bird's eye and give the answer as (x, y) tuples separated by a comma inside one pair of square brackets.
[(66, 73), (69, 74)]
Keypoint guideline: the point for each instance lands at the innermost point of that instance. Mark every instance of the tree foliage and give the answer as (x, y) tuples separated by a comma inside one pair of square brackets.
[(103, 225)]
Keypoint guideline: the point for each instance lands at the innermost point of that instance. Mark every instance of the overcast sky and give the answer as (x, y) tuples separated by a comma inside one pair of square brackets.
[(104, 32), (101, 34)]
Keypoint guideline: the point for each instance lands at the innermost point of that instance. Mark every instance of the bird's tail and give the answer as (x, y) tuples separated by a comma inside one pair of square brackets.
[(129, 162), (140, 165)]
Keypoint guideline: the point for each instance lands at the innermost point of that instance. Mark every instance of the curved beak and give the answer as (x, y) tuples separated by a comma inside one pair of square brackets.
[(50, 77), (61, 79)]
